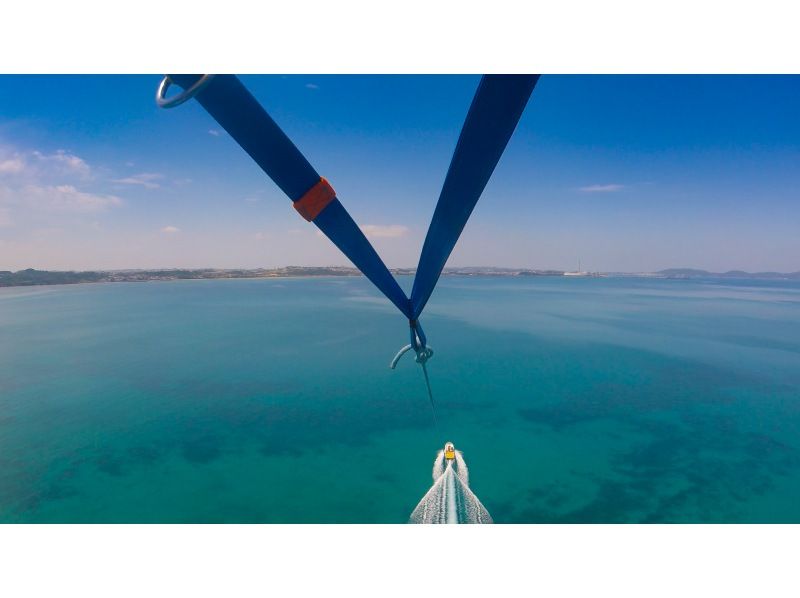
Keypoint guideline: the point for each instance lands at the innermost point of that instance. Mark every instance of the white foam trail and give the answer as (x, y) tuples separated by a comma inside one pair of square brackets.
[(452, 505), (438, 466), (461, 468), (450, 500)]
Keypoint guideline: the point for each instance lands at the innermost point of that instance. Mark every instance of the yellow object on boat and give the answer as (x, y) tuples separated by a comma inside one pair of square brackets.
[(449, 451)]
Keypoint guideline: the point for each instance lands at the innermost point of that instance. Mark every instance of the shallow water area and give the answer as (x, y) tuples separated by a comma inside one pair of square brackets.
[(573, 400)]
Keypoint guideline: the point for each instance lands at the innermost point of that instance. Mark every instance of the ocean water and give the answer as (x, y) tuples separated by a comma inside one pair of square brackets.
[(573, 400)]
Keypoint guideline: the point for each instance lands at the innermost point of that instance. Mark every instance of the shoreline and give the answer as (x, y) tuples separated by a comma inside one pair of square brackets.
[(31, 277), (51, 278)]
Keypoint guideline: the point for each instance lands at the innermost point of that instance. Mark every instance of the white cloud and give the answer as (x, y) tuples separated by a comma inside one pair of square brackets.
[(57, 198), (601, 188), (214, 132), (384, 231), (170, 230), (66, 163), (252, 199), (35, 164), (148, 180), (68, 198), (312, 86), (36, 186), (12, 165)]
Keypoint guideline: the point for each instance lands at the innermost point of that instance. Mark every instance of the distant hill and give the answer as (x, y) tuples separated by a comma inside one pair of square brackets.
[(35, 277), (43, 277), (694, 273)]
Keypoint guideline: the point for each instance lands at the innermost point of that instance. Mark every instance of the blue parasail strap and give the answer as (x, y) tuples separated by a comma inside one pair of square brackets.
[(227, 100), (495, 111)]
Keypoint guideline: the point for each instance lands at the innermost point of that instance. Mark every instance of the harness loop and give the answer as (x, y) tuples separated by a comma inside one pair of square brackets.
[(418, 343)]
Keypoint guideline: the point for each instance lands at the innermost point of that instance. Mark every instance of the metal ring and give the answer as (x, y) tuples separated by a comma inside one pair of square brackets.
[(187, 94)]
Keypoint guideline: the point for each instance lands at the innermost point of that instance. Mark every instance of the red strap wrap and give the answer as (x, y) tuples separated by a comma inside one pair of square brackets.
[(315, 200)]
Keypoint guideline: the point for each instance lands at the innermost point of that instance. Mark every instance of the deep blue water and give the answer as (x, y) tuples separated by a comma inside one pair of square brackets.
[(573, 400)]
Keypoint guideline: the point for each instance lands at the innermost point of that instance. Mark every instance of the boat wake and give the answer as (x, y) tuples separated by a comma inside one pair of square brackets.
[(450, 500)]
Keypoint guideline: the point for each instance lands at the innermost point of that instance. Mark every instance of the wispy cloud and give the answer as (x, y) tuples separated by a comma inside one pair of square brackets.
[(214, 132), (609, 188), (13, 165), (39, 187), (170, 230), (36, 164), (148, 180), (65, 162), (312, 86), (57, 198), (384, 231)]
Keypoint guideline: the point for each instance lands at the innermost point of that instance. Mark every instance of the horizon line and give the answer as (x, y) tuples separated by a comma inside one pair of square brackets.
[(404, 268)]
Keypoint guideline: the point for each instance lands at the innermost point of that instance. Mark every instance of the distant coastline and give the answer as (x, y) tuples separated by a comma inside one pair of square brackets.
[(31, 277)]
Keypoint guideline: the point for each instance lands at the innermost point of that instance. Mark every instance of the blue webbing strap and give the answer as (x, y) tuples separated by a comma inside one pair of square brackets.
[(227, 100), (492, 118)]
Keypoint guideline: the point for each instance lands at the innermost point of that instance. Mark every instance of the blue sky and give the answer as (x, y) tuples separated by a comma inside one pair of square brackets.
[(625, 173)]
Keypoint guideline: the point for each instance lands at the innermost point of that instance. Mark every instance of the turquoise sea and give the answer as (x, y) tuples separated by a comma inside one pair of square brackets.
[(573, 400)]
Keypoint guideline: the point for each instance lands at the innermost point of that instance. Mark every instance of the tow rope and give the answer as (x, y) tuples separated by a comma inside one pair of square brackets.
[(492, 118), (239, 113), (424, 353), (493, 115)]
